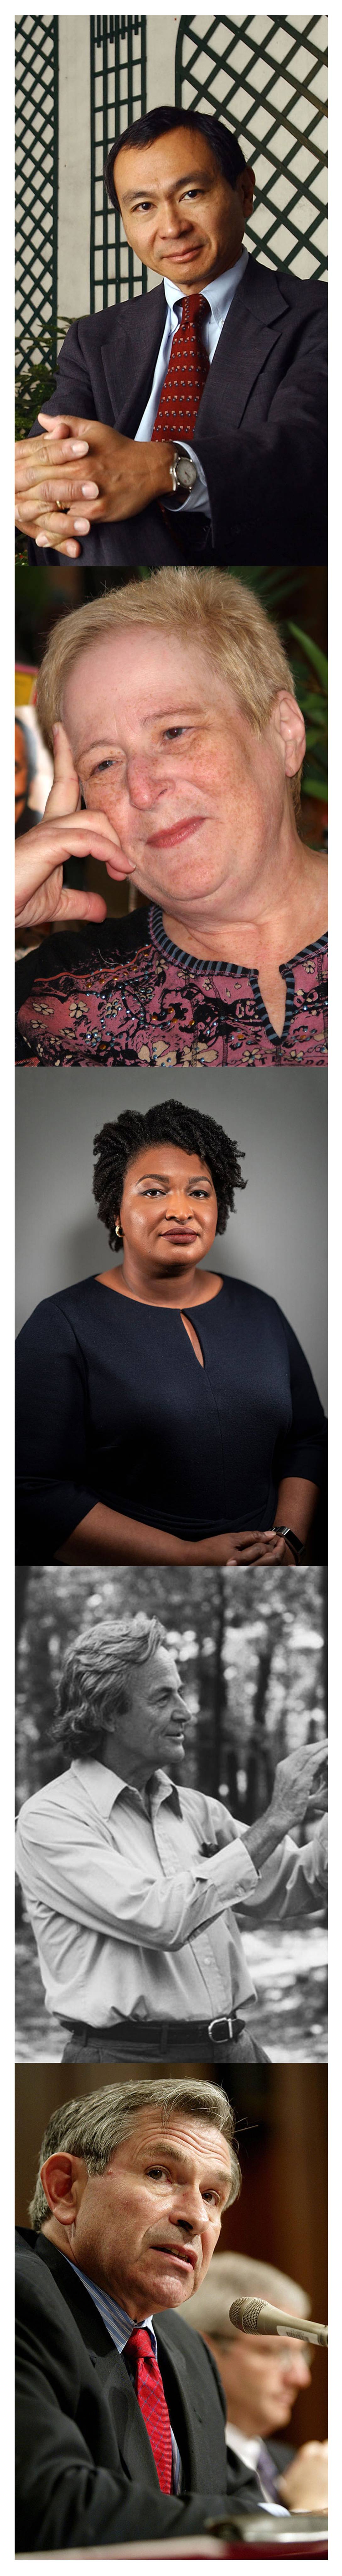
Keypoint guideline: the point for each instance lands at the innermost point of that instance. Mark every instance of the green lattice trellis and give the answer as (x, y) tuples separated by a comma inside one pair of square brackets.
[(36, 181), (117, 95), (268, 77)]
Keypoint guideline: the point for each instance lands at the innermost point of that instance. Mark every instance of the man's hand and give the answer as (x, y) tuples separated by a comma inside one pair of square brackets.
[(304, 2487), (79, 474), (294, 1792), (65, 833), (296, 1784)]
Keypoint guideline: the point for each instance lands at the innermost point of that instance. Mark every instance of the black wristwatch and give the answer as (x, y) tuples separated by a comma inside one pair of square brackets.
[(297, 1548)]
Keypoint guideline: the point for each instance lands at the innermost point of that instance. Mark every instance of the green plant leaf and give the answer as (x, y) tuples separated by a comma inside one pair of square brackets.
[(313, 653)]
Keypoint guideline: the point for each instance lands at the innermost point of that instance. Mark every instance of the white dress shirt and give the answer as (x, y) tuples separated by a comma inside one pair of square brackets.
[(219, 296), (132, 1899)]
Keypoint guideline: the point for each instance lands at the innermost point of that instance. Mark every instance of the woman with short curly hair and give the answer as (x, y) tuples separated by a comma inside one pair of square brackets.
[(166, 1414)]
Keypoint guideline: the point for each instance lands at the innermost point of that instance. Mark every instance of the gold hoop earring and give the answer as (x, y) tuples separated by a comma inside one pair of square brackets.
[(118, 1231)]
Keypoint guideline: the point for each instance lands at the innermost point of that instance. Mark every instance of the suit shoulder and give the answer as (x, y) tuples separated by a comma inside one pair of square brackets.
[(306, 295), (94, 329)]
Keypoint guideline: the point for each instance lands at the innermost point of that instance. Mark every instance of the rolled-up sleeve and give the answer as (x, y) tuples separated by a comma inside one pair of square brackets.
[(51, 1431), (65, 1867)]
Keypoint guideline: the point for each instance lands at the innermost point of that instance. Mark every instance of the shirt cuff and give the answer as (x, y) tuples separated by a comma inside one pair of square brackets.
[(198, 499), (234, 1871)]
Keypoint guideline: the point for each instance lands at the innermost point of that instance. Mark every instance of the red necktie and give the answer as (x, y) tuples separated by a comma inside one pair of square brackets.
[(150, 2394), (186, 374)]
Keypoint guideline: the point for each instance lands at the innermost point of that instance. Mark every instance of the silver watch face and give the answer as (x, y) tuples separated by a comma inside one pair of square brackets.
[(185, 474)]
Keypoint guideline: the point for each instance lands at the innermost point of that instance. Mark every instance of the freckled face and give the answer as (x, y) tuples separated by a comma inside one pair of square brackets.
[(162, 747)]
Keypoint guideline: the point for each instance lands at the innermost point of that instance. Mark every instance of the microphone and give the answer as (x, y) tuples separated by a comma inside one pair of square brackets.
[(254, 2316)]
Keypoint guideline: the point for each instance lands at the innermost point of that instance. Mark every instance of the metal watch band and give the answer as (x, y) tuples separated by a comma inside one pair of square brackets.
[(284, 1531)]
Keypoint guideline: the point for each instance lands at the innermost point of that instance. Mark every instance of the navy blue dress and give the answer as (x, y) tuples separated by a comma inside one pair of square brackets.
[(113, 1406)]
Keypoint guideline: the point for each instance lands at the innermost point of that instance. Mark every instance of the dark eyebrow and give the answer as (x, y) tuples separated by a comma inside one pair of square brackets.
[(165, 1176), (189, 175), (178, 2156)]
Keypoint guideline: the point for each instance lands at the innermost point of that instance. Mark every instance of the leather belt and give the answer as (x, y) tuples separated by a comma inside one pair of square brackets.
[(226, 2026)]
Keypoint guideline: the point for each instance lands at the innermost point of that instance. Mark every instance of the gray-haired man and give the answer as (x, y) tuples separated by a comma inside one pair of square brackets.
[(120, 2417), (132, 1883), (262, 2375)]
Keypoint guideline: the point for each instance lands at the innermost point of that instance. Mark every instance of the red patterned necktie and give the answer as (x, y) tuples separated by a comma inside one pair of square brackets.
[(186, 374), (150, 2394)]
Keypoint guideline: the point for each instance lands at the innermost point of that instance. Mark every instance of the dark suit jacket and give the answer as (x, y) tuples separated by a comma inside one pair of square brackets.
[(260, 431), (85, 2468)]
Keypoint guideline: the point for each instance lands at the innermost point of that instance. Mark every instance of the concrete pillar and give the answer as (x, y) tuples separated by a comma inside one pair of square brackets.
[(161, 38), (73, 293)]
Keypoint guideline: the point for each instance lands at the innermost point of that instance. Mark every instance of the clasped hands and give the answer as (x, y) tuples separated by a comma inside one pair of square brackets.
[(81, 473)]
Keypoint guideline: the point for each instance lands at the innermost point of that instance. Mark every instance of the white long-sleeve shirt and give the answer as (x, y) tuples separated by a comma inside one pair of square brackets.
[(133, 1902)]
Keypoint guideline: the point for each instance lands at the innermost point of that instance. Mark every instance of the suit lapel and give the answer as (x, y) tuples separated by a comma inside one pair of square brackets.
[(254, 323), (188, 2411), (129, 356), (128, 2423)]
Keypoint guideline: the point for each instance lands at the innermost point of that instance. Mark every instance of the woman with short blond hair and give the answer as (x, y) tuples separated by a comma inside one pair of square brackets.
[(171, 711)]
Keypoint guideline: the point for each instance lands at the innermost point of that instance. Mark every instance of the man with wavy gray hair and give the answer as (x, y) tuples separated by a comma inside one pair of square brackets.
[(120, 2422), (133, 1882), (261, 2377)]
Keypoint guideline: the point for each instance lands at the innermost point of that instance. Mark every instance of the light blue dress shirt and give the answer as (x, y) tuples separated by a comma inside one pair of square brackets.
[(120, 2327), (219, 297)]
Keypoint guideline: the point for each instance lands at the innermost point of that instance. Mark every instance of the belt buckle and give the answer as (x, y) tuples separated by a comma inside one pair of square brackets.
[(222, 2028)]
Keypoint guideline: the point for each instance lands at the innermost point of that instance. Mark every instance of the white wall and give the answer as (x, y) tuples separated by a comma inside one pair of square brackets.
[(74, 167)]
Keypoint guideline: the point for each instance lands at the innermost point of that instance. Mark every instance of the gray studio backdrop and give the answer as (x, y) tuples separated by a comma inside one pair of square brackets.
[(278, 1235)]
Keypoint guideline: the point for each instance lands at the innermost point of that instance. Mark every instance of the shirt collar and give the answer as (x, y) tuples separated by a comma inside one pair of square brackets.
[(219, 292), (247, 2449), (120, 2326), (105, 1786)]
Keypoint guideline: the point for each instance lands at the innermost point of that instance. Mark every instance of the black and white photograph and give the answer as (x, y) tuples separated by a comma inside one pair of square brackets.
[(172, 1831)]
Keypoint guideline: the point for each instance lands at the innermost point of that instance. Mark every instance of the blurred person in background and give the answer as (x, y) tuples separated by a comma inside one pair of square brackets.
[(262, 2375)]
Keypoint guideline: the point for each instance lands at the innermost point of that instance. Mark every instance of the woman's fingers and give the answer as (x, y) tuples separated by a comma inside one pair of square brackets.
[(75, 906), (64, 795), (56, 902)]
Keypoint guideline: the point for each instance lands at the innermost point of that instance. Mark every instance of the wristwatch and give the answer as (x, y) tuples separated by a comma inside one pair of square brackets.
[(183, 472), (297, 1548)]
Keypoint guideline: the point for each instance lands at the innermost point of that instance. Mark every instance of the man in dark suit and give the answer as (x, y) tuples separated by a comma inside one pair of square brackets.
[(190, 424), (120, 2415)]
